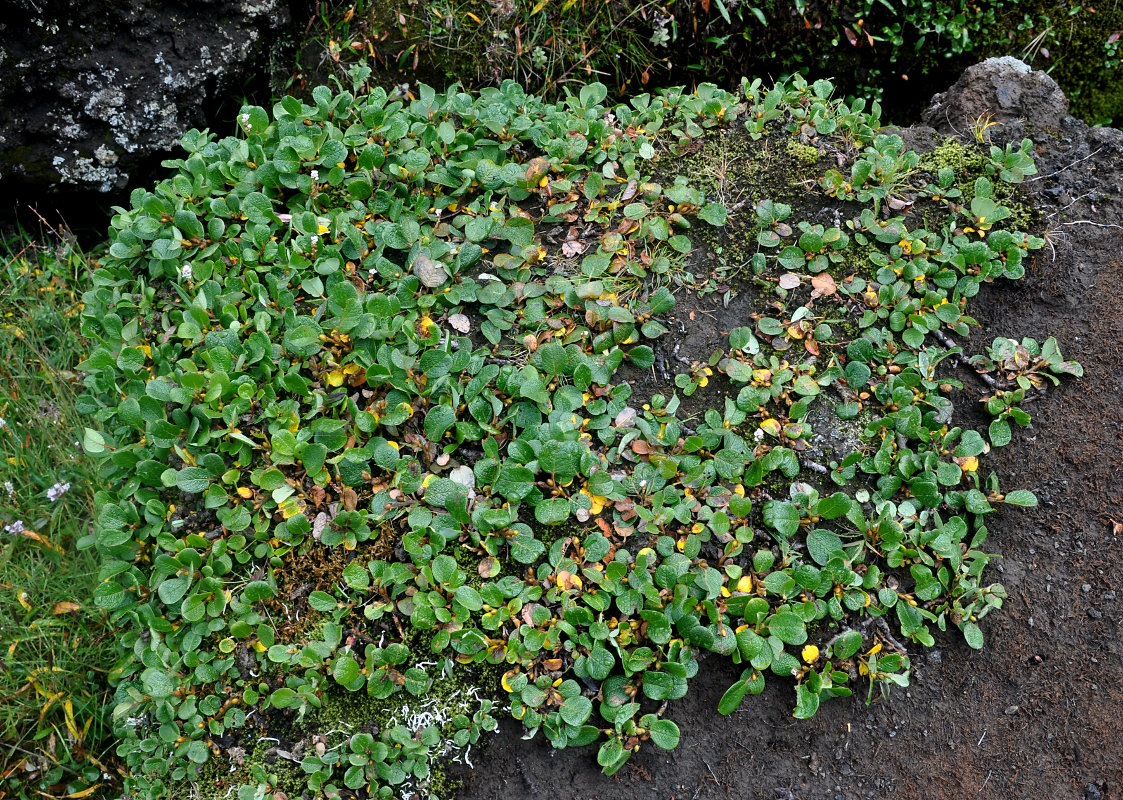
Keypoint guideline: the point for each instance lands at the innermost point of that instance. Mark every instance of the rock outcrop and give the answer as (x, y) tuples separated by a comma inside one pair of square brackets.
[(91, 91), (998, 90)]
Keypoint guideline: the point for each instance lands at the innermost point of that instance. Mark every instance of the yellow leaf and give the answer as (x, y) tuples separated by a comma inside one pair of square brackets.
[(43, 540), (810, 654), (770, 426), (291, 507), (24, 599), (335, 378), (244, 493), (85, 792), (68, 710), (541, 4), (745, 584), (65, 607)]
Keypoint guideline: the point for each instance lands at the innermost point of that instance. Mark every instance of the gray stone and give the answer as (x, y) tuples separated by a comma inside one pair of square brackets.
[(1014, 94)]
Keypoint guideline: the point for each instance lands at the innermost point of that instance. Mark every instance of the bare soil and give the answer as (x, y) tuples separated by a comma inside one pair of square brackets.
[(1035, 713)]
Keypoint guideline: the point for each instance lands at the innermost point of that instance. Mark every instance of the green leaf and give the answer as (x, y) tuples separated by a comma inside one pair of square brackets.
[(821, 543), (611, 752), (837, 505), (321, 601), (976, 502), (713, 213), (193, 480), (664, 733), (93, 442), (1000, 433), (469, 598), (257, 591), (282, 698), (971, 444), (974, 635), (346, 670), (782, 516), (1021, 497), (356, 576), (787, 627), (158, 683), (806, 702), (198, 752), (847, 644), (439, 419), (444, 569), (733, 697), (642, 356), (553, 511), (576, 710)]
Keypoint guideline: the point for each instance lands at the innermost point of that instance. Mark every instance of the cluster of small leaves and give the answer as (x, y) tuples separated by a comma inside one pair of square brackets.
[(1019, 371), (917, 473), (392, 326), (277, 367)]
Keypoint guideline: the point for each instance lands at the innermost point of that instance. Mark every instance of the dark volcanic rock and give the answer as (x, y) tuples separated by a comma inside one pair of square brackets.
[(1003, 87), (91, 91)]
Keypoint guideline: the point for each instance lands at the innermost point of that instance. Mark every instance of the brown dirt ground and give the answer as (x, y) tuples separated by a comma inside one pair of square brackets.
[(1034, 714)]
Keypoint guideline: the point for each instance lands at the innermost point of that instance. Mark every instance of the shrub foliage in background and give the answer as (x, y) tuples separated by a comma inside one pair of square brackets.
[(365, 387), (904, 50)]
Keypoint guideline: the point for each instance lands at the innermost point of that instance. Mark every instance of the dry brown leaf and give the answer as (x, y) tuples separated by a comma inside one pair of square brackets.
[(823, 285), (789, 280), (488, 568), (573, 248), (65, 607)]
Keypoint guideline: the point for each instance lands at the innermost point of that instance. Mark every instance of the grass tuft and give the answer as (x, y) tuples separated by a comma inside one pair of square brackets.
[(55, 645)]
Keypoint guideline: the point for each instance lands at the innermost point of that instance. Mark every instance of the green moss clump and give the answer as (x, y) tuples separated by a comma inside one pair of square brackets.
[(955, 155), (804, 154)]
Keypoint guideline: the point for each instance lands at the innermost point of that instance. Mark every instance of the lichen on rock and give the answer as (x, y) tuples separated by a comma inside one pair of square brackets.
[(93, 91)]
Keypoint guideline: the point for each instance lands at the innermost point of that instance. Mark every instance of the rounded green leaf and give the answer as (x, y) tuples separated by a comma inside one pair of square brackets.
[(788, 628), (576, 710), (664, 733), (973, 634)]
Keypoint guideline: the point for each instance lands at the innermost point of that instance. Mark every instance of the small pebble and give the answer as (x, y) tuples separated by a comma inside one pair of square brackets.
[(1095, 613), (1011, 710)]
